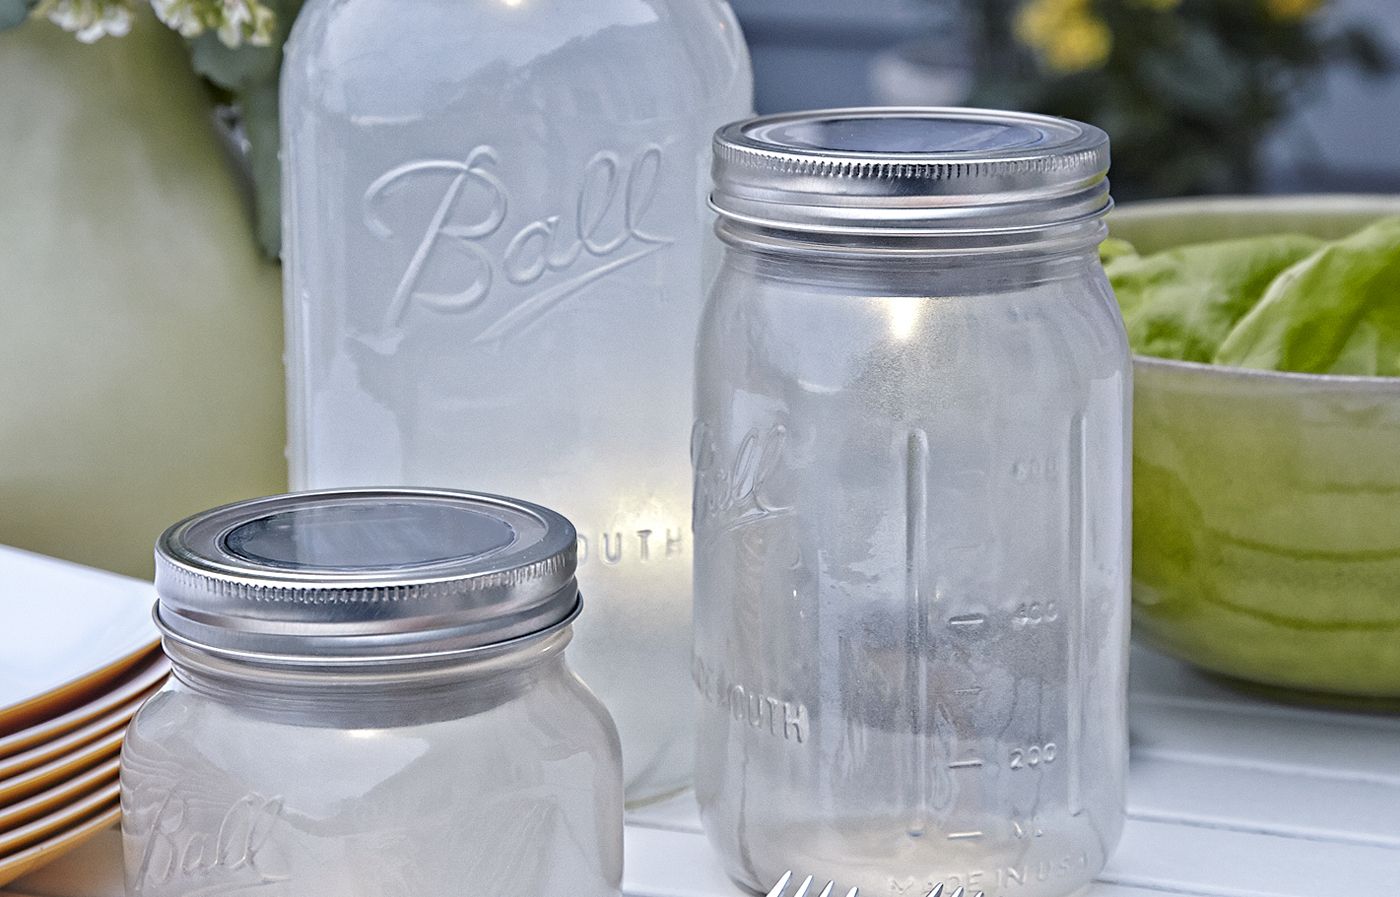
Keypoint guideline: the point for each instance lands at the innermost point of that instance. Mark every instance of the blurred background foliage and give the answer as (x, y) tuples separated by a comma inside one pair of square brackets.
[(236, 45), (246, 78), (1193, 92), (1189, 90)]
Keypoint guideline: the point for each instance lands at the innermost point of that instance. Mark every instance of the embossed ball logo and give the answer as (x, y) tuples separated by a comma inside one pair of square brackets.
[(600, 228), (732, 492)]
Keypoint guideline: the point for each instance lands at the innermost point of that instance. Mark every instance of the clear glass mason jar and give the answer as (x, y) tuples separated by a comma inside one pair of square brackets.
[(911, 491), (371, 698), (494, 222)]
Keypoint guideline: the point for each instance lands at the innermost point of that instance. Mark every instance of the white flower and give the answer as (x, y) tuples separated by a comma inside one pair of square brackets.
[(180, 15), (91, 20), (236, 21)]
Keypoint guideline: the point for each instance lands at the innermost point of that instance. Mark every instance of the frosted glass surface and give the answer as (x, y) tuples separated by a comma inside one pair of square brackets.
[(911, 562), (496, 221)]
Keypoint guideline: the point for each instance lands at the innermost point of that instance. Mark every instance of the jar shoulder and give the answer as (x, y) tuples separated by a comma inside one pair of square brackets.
[(825, 324), (587, 708), (182, 731)]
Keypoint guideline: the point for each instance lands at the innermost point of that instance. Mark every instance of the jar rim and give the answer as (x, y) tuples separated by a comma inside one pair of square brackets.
[(365, 576), (910, 172)]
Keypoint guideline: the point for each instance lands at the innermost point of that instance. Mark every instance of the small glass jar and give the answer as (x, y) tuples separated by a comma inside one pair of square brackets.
[(911, 483), (371, 698)]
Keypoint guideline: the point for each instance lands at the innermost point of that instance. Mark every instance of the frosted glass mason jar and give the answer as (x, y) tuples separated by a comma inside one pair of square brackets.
[(495, 214), (911, 471), (371, 699)]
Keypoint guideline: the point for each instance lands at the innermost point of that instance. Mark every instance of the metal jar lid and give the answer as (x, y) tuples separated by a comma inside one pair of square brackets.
[(910, 171), (365, 576)]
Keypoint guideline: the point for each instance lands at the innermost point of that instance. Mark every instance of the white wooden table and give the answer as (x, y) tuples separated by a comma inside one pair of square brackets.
[(1228, 797)]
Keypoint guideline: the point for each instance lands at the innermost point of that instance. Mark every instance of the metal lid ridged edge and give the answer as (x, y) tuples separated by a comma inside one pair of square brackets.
[(225, 586), (794, 162)]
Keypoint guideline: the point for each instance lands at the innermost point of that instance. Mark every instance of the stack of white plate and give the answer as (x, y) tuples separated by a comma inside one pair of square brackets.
[(78, 656)]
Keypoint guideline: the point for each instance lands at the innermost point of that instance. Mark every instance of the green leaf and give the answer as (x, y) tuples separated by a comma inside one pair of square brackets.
[(14, 12), (259, 107), (252, 75), (1182, 303), (234, 68), (1113, 248), (1337, 311)]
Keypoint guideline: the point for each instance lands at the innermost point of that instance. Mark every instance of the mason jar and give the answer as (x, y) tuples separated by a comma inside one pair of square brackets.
[(495, 227), (910, 505), (370, 697)]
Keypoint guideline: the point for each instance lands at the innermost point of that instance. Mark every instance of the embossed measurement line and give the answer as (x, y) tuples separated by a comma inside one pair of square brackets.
[(919, 596), (970, 621), (965, 764), (1076, 629), (964, 836), (972, 692)]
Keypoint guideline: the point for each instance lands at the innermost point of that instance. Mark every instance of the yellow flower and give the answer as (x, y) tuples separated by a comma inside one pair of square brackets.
[(1083, 43), (1065, 34), (1292, 10), (1038, 20)]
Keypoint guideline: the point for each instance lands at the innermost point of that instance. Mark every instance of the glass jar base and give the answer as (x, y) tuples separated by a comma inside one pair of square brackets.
[(881, 859)]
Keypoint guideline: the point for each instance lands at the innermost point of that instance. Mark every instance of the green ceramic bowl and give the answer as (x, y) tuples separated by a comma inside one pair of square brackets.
[(1266, 518)]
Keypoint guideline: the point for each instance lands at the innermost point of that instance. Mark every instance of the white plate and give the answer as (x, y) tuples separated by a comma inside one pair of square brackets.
[(64, 629), (31, 858), (143, 679), (66, 817), (27, 784), (60, 795), (40, 754)]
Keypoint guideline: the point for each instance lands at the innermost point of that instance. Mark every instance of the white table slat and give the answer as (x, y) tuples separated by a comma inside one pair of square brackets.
[(1331, 749), (1185, 859), (1306, 807), (667, 863)]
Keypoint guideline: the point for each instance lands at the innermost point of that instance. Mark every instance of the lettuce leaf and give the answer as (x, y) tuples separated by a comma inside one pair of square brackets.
[(1335, 312), (1183, 303)]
